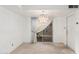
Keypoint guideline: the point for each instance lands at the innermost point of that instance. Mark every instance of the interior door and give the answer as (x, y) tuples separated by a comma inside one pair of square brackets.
[(71, 32)]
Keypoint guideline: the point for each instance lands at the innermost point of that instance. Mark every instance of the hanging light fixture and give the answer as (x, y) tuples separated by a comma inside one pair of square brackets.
[(43, 17)]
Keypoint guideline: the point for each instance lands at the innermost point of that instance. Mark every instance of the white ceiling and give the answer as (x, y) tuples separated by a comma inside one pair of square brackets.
[(36, 10)]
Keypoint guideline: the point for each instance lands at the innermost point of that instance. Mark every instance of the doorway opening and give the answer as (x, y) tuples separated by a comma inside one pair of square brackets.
[(45, 35)]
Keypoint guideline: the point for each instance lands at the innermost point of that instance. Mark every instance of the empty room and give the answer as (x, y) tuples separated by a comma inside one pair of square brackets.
[(39, 29)]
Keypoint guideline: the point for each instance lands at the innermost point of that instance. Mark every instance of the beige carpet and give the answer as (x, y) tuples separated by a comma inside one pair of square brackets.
[(42, 48)]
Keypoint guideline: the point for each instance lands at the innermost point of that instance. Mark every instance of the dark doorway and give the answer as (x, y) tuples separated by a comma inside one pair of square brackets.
[(45, 35)]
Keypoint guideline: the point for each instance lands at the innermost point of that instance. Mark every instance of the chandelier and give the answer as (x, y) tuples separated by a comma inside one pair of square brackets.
[(43, 18)]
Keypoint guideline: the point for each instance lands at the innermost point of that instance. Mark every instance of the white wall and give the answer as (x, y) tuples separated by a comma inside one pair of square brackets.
[(59, 29), (28, 30), (11, 30)]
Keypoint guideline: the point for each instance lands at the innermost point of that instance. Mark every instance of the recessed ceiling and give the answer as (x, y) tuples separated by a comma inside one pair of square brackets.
[(36, 10)]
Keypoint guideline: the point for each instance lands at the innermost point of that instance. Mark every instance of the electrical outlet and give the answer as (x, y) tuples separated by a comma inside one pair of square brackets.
[(77, 23), (12, 44)]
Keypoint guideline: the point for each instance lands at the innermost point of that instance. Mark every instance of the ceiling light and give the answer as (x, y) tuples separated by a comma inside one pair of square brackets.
[(43, 18)]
